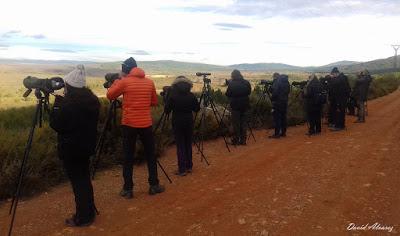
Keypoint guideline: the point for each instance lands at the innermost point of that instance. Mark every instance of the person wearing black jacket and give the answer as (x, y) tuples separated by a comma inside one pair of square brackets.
[(182, 103), (313, 104), (339, 93), (279, 96), (74, 117), (360, 93), (238, 92)]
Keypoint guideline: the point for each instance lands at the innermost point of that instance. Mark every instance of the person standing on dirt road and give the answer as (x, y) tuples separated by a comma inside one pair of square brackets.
[(74, 117), (238, 92), (139, 95), (360, 93), (339, 93), (279, 97), (313, 101), (182, 103)]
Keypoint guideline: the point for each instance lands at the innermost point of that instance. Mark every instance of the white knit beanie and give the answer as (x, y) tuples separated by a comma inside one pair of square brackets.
[(77, 77)]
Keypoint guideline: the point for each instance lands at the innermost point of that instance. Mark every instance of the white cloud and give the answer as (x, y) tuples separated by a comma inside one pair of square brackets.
[(110, 30)]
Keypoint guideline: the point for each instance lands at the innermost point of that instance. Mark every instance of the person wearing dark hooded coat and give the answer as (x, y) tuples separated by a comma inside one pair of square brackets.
[(238, 92), (74, 117), (339, 94), (313, 104), (279, 96), (360, 93), (182, 103)]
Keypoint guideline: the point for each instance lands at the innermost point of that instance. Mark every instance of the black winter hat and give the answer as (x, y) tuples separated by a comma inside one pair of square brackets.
[(128, 65), (236, 74), (335, 70)]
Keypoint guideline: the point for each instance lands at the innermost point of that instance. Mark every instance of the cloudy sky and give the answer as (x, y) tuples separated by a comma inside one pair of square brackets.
[(308, 32)]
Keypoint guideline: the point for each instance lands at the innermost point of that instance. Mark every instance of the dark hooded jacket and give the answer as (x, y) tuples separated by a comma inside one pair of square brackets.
[(182, 103), (311, 95), (280, 90), (339, 89), (75, 119), (360, 91), (238, 92)]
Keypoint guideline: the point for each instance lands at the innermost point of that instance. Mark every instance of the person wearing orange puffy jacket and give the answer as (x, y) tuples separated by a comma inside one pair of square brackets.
[(139, 95)]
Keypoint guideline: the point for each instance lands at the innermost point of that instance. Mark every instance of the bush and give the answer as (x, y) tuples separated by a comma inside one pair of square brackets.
[(45, 170)]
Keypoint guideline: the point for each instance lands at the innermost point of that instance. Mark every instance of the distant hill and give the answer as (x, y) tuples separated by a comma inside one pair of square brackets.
[(266, 67), (98, 69)]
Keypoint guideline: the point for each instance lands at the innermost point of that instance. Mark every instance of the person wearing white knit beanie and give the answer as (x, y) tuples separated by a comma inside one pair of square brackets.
[(77, 77), (75, 117)]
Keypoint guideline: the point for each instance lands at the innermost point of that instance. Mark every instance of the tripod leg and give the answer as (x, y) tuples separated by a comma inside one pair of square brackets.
[(200, 145), (111, 116), (16, 196), (218, 118), (251, 131), (163, 170)]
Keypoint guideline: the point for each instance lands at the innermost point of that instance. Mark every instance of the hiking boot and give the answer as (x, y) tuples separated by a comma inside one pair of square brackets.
[(190, 170), (274, 136), (283, 135), (234, 142), (128, 194), (155, 189), (180, 173), (336, 129), (75, 222)]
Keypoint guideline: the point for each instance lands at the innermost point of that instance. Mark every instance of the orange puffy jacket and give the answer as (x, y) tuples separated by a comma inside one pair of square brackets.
[(139, 94)]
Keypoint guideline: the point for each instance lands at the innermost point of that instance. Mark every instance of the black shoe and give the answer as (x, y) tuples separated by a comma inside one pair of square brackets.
[(331, 125), (336, 129), (180, 173), (128, 194), (274, 136), (190, 170), (234, 142), (75, 222), (155, 189), (283, 135)]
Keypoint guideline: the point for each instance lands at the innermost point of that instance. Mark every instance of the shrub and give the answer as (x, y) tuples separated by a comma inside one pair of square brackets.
[(45, 170)]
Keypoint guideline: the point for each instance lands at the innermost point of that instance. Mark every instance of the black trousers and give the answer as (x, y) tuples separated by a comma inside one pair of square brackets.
[(340, 114), (314, 120), (129, 145), (77, 170), (184, 139), (331, 111), (280, 118), (239, 122)]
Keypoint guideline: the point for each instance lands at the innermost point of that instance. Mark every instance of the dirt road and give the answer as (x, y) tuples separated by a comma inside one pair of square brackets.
[(299, 185)]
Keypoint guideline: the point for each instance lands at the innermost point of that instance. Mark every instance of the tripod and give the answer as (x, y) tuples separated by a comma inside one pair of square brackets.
[(265, 94), (247, 123), (111, 118), (110, 121), (207, 101), (42, 103)]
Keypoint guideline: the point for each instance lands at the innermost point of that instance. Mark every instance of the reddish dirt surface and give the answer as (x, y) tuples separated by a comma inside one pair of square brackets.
[(298, 185)]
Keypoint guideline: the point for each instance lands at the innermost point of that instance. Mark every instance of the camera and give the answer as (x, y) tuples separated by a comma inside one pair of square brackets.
[(300, 84), (266, 82), (166, 92), (44, 85), (110, 78), (205, 79)]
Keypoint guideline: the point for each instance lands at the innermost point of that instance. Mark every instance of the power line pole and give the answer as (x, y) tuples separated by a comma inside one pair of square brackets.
[(396, 48)]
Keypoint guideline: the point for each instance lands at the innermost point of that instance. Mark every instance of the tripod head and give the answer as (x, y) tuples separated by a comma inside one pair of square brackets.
[(206, 80)]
